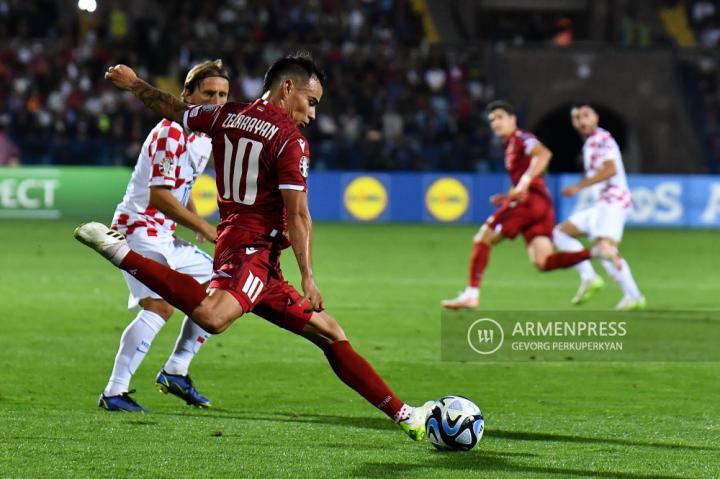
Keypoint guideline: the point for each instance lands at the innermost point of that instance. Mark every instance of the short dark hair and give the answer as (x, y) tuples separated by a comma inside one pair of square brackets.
[(201, 71), (300, 65), (500, 105), (580, 104)]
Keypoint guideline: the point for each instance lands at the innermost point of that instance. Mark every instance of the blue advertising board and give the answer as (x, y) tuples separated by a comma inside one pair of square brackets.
[(675, 201), (668, 201), (659, 200)]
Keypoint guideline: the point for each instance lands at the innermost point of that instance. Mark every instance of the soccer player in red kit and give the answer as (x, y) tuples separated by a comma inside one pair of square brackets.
[(526, 209), (262, 163)]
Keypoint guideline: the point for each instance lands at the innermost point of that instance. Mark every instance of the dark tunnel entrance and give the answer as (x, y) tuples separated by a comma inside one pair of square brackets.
[(555, 130)]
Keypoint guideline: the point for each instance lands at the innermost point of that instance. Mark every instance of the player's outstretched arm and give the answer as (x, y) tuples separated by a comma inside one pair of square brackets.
[(541, 157), (162, 199), (300, 231), (159, 101), (607, 171)]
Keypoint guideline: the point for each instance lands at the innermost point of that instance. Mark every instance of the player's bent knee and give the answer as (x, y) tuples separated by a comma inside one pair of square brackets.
[(485, 235), (210, 319), (323, 330), (607, 240), (157, 306), (336, 332), (217, 311)]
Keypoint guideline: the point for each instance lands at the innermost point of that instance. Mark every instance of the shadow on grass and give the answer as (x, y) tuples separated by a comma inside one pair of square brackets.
[(541, 436), (376, 423), (484, 458), (379, 423), (479, 462)]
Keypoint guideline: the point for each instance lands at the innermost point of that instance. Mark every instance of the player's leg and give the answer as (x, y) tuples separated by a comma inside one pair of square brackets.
[(174, 377), (610, 226), (633, 299), (538, 231), (191, 338), (355, 371), (280, 305), (543, 256), (565, 239), (138, 336), (214, 311), (483, 242), (135, 343)]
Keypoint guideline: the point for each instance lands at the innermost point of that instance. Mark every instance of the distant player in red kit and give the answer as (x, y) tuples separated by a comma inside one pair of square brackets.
[(526, 209), (262, 163)]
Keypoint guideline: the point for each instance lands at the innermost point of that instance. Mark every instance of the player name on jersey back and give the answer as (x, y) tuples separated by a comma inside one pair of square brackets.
[(250, 124), (259, 152)]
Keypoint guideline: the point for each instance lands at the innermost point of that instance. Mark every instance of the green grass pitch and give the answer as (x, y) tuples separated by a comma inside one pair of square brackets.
[(279, 410)]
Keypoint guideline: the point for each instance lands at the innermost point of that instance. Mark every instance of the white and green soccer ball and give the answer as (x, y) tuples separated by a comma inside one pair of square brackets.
[(455, 423)]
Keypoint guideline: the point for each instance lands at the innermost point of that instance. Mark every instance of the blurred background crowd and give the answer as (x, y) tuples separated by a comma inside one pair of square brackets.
[(396, 98)]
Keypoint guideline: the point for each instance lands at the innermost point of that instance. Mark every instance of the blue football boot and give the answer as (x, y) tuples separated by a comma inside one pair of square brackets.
[(182, 387), (121, 402)]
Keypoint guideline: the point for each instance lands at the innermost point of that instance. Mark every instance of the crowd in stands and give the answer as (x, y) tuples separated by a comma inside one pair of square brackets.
[(391, 102), (705, 75)]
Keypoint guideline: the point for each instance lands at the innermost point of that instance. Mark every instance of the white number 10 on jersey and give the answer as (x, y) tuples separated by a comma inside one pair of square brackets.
[(236, 164)]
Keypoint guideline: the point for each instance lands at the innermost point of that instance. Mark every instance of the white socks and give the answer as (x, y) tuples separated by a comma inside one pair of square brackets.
[(134, 344), (404, 413), (565, 242), (623, 278), (188, 343)]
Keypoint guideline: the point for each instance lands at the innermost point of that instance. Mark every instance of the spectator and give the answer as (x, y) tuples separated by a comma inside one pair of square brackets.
[(9, 151), (393, 101)]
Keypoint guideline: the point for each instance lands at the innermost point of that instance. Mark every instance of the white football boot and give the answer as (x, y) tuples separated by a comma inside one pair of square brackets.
[(464, 300), (108, 242), (631, 304), (414, 424), (587, 290)]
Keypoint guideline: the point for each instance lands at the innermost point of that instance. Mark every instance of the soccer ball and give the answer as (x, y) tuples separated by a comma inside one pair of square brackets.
[(455, 423)]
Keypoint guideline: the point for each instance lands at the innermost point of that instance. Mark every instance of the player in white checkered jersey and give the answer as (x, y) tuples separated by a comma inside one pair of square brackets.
[(158, 197), (605, 220)]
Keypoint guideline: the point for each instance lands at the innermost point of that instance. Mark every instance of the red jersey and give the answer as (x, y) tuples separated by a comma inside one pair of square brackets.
[(258, 151), (518, 148)]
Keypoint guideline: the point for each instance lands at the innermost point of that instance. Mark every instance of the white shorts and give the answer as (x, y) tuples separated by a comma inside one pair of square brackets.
[(178, 254), (604, 220)]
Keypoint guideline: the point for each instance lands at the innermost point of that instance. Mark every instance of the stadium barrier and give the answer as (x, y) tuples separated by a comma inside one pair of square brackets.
[(678, 201), (65, 192)]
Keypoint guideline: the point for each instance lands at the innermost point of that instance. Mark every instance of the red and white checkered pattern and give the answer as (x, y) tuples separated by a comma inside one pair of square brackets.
[(167, 144), (172, 157), (599, 148)]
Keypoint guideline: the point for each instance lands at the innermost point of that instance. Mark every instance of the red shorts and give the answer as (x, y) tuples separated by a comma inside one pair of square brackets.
[(247, 265), (533, 217)]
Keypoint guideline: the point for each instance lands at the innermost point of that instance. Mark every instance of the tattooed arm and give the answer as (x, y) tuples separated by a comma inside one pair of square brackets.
[(158, 101)]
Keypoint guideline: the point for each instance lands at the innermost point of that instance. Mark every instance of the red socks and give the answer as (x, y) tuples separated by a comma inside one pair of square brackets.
[(478, 263), (357, 373), (180, 290), (565, 259)]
